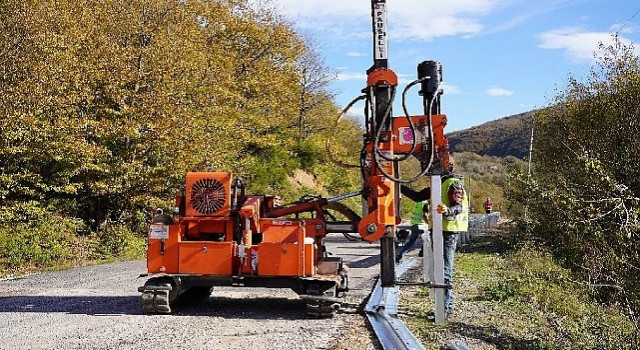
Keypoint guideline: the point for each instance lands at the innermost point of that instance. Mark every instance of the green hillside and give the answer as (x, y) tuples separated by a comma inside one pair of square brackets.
[(509, 136)]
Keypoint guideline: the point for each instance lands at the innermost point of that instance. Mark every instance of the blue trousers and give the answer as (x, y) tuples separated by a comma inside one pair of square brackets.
[(450, 242), (413, 237)]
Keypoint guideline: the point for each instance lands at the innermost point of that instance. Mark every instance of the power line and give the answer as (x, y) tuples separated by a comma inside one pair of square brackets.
[(627, 22), (616, 33)]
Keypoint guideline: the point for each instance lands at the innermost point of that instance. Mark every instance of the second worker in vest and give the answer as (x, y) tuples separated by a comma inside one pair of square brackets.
[(419, 224), (454, 206)]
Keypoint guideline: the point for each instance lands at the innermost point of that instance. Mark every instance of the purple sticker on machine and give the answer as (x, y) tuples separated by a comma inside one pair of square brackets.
[(406, 136)]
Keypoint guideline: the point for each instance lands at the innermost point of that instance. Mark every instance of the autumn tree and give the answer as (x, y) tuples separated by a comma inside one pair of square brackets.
[(129, 96), (105, 105), (582, 198)]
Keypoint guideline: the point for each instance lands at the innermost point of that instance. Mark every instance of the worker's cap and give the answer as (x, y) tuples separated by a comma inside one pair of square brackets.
[(456, 185)]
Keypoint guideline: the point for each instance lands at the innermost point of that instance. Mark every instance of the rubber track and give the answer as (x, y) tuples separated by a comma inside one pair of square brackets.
[(320, 308), (155, 301)]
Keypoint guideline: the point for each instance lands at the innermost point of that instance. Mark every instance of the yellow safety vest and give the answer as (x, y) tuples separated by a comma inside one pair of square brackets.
[(460, 222), (417, 215)]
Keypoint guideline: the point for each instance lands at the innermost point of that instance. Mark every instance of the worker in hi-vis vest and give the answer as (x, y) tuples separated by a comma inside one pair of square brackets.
[(454, 207), (455, 219), (419, 225)]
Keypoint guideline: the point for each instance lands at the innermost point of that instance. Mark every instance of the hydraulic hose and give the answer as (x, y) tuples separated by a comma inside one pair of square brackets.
[(377, 154), (335, 125)]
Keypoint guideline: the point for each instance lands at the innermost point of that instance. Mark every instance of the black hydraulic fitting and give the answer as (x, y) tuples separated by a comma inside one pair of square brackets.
[(432, 69), (429, 88)]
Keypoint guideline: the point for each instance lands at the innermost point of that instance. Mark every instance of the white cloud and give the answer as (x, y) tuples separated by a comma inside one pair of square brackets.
[(408, 19), (578, 44), (352, 76), (623, 28), (526, 11), (450, 89), (356, 54), (498, 91)]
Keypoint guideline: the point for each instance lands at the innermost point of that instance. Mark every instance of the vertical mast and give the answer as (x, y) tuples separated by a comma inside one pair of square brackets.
[(379, 19), (380, 192)]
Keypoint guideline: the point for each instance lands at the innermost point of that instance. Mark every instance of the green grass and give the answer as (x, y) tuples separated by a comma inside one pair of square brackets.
[(55, 244), (517, 298)]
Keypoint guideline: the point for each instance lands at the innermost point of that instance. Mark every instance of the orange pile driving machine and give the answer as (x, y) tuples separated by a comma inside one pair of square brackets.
[(223, 237)]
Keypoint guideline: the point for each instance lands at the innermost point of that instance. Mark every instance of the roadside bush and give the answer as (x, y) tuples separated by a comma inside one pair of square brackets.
[(533, 280), (36, 244), (32, 238), (117, 241), (580, 199), (309, 153)]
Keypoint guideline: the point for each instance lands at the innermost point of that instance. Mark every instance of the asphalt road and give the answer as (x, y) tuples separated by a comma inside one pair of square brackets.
[(98, 307)]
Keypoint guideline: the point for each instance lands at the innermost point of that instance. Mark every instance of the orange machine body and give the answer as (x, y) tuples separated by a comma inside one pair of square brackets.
[(284, 251), (214, 239), (403, 138)]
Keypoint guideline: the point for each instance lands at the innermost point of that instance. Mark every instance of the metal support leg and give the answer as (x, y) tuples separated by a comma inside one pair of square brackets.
[(427, 262), (387, 261), (438, 253)]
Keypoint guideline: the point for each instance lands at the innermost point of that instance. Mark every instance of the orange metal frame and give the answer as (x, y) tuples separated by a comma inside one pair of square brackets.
[(380, 190), (285, 250), (205, 244), (403, 138)]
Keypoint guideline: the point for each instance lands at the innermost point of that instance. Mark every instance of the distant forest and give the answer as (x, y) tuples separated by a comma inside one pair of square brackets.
[(509, 136)]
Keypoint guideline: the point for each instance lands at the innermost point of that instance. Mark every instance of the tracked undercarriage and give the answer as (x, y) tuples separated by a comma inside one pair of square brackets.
[(221, 237), (322, 296)]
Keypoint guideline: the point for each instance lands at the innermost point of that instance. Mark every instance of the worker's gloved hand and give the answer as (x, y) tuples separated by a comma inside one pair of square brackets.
[(442, 209)]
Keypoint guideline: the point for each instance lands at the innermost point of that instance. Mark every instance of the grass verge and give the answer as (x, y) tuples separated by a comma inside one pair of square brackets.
[(510, 297), (55, 244)]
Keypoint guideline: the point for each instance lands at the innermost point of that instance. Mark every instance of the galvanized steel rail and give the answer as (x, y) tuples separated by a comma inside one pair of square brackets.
[(382, 308), (479, 224), (382, 312)]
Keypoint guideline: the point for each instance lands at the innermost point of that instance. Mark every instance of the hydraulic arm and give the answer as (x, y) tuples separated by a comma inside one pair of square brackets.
[(389, 140)]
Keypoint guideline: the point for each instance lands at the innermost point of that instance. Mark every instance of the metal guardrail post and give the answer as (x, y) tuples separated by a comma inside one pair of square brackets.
[(437, 249), (477, 225)]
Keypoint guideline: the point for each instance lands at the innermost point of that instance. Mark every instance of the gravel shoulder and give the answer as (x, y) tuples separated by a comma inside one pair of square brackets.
[(98, 307)]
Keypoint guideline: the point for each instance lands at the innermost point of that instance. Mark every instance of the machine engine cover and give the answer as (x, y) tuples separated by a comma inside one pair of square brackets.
[(208, 194)]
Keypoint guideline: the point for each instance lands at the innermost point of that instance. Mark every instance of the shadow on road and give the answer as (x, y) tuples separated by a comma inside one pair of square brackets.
[(89, 305), (369, 261), (215, 306)]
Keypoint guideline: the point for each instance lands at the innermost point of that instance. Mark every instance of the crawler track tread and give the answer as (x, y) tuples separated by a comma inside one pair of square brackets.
[(321, 308), (156, 301)]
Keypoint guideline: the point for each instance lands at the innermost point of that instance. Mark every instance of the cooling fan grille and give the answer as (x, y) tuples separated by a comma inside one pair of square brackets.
[(208, 196)]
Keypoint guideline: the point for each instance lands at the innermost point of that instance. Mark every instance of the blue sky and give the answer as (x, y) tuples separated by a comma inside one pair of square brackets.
[(499, 57)]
